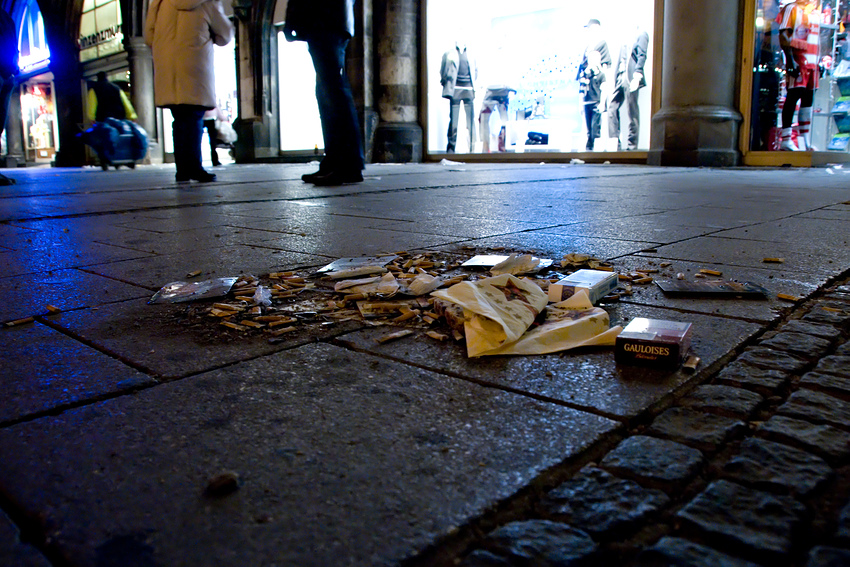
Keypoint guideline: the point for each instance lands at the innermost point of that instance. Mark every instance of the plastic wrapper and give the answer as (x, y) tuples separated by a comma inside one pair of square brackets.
[(263, 296), (497, 310), (514, 264), (176, 292)]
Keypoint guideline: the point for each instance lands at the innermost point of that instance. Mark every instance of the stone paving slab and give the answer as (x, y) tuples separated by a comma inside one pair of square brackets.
[(799, 259), (155, 271), (154, 337), (339, 455), (764, 310), (13, 552), (555, 247), (65, 289), (43, 369), (586, 378)]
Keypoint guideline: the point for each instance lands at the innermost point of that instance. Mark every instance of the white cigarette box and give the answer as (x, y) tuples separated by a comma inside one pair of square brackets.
[(598, 284)]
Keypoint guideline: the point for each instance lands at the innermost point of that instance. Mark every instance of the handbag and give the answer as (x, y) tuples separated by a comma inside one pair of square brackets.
[(225, 132)]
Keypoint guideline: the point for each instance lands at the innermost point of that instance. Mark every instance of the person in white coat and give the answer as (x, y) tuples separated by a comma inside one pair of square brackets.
[(181, 34)]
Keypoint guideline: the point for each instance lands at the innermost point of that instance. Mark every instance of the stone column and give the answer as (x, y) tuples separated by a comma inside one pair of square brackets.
[(14, 131), (698, 122), (141, 72), (398, 137)]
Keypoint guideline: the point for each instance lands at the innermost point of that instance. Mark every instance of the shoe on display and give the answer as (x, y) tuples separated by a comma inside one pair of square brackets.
[(337, 178), (788, 146)]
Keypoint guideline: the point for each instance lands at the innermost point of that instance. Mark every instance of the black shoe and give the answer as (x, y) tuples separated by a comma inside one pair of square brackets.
[(311, 177), (201, 176), (334, 178)]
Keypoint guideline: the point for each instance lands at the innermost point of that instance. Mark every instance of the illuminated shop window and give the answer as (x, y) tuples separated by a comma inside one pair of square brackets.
[(533, 87), (801, 76), (100, 29), (32, 44)]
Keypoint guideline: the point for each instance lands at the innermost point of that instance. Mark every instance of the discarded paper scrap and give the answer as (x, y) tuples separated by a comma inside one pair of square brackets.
[(500, 309)]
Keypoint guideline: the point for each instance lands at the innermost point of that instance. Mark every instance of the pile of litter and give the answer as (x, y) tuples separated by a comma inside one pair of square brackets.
[(497, 302)]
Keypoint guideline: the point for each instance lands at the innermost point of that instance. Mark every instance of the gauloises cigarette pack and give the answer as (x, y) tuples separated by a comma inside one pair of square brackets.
[(653, 342), (598, 284)]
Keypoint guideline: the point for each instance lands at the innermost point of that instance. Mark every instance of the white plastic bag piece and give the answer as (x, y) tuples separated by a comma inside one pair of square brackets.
[(263, 296), (516, 265)]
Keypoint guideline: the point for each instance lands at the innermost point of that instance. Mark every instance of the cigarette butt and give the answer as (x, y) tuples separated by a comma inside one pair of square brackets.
[(711, 272), (253, 324), (222, 312), (283, 331), (621, 277), (384, 306), (429, 320), (457, 335), (773, 260), (394, 336), (193, 274), (647, 270), (787, 297), (274, 318), (354, 297), (833, 309), (53, 309), (17, 322), (641, 281), (227, 307), (234, 326), (692, 363), (286, 321), (256, 310), (280, 294), (438, 336), (605, 268), (698, 275), (680, 276), (409, 314), (665, 264)]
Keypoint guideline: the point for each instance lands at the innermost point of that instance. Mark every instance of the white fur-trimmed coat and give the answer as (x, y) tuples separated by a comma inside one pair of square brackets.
[(181, 34)]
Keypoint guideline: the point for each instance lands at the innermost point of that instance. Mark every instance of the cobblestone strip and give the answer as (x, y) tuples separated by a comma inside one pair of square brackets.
[(750, 468)]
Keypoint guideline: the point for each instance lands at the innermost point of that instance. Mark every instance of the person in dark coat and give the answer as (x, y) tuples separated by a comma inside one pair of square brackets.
[(8, 70), (327, 26)]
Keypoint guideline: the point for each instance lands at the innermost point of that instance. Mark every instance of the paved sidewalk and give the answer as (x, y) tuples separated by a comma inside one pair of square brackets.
[(117, 414)]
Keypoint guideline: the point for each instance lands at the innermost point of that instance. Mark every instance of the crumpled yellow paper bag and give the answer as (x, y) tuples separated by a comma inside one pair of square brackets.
[(497, 310), (569, 324)]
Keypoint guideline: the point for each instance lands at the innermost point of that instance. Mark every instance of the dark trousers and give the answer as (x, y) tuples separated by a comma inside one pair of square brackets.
[(187, 130), (462, 96), (340, 126), (593, 121), (631, 98)]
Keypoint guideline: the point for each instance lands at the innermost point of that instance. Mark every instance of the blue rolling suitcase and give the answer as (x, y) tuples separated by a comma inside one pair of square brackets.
[(117, 142)]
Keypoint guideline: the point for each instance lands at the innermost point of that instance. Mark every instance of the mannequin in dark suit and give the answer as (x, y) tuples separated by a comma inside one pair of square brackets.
[(458, 73), (629, 79)]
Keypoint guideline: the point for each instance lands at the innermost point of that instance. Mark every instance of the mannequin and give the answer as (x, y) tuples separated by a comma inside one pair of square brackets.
[(458, 73), (629, 79), (591, 74), (799, 29)]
